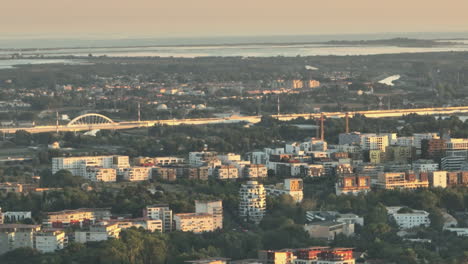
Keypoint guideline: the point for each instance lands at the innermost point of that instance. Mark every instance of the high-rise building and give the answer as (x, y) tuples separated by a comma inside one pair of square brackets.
[(160, 212), (252, 204), (214, 208)]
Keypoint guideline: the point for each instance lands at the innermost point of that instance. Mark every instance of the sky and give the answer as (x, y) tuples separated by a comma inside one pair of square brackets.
[(192, 18)]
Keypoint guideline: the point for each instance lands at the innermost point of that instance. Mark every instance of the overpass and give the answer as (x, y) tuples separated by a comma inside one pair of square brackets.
[(97, 121)]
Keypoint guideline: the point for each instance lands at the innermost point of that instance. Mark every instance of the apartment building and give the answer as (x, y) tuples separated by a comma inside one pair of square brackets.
[(403, 180), (214, 208), (352, 184), (47, 241), (99, 174), (80, 217), (194, 222), (407, 218), (291, 187), (13, 236), (438, 179), (225, 172), (99, 232), (136, 173), (324, 255), (252, 201), (77, 165), (160, 212), (255, 171)]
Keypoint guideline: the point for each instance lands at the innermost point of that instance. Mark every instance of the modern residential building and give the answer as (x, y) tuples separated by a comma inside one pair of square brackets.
[(98, 232), (407, 218), (291, 187), (214, 208), (225, 172), (47, 241), (136, 173), (13, 236), (255, 171), (329, 229), (77, 165), (78, 217), (252, 201), (438, 179), (194, 222), (99, 174), (403, 180), (160, 212), (352, 184)]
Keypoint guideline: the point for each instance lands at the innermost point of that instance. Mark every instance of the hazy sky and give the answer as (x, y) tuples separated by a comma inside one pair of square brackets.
[(165, 18)]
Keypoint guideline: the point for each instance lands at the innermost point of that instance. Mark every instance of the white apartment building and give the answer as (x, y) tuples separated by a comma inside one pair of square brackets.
[(50, 241), (136, 173), (194, 222), (98, 174), (214, 208), (77, 165), (252, 204), (160, 212), (407, 220), (438, 179), (98, 233)]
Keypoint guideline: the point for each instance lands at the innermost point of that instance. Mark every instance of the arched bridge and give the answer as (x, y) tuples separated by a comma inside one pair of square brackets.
[(90, 120)]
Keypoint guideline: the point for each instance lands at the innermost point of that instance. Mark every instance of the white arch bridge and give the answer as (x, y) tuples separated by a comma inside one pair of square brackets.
[(91, 119)]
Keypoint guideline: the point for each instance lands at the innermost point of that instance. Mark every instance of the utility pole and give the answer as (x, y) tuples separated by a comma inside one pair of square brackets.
[(139, 112), (56, 122), (322, 129), (347, 122), (278, 106)]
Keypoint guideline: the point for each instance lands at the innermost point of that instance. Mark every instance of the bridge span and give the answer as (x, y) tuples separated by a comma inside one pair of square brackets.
[(96, 121)]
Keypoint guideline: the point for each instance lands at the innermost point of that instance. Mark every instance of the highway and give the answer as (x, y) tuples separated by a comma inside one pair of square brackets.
[(236, 119)]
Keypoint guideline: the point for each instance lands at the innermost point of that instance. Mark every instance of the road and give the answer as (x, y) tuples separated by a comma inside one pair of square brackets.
[(236, 119)]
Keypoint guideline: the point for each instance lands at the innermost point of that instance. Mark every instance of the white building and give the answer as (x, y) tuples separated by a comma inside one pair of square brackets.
[(136, 173), (438, 179), (214, 208), (98, 233), (50, 241), (252, 204), (160, 212), (77, 165), (408, 218)]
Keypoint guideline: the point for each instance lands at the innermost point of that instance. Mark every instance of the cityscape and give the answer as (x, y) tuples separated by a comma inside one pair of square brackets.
[(169, 132)]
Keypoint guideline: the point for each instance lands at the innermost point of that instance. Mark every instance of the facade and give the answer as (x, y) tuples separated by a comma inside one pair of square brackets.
[(324, 255), (194, 222), (98, 174), (255, 171), (98, 233), (80, 217), (77, 165), (48, 241), (252, 204), (160, 212), (291, 187), (438, 179), (408, 180), (136, 173), (225, 172), (214, 208), (13, 236), (328, 229), (409, 218), (352, 184)]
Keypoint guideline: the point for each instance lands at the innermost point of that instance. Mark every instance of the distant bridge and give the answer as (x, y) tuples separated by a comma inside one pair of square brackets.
[(96, 121)]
